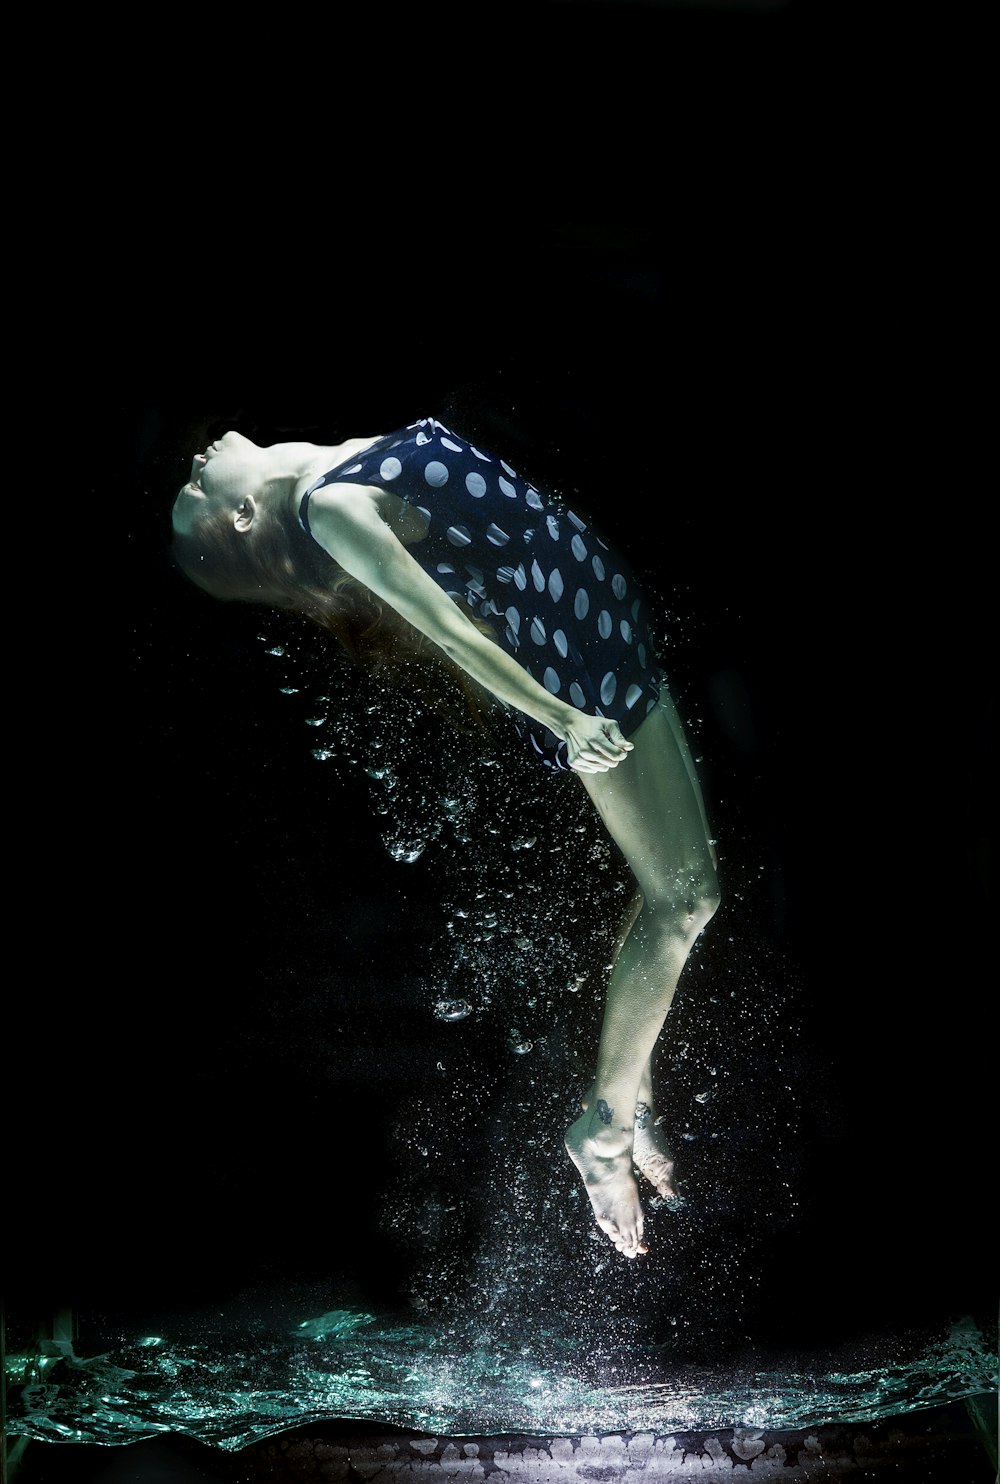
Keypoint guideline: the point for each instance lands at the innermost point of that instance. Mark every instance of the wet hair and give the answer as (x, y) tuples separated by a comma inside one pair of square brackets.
[(276, 563)]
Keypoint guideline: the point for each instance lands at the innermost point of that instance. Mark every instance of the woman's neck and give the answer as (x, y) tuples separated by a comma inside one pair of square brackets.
[(307, 461)]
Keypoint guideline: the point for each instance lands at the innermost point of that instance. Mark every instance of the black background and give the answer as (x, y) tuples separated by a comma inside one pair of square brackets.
[(646, 254)]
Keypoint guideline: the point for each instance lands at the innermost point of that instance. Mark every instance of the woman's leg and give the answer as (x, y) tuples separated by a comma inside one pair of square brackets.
[(651, 1155), (651, 806)]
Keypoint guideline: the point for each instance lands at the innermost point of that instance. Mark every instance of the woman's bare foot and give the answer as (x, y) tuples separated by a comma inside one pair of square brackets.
[(650, 1153), (603, 1155)]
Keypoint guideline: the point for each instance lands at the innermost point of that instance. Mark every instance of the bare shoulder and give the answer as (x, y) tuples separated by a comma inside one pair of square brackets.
[(360, 504)]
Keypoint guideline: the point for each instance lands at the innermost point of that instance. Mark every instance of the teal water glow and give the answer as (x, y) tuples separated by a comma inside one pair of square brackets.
[(459, 1380)]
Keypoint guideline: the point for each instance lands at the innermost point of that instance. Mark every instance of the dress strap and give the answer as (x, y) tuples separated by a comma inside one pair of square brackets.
[(304, 512)]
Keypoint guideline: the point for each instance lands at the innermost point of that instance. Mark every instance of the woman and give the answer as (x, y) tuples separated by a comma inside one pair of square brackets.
[(421, 536)]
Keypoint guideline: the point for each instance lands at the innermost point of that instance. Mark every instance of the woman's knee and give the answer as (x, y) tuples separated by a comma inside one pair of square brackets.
[(703, 907), (682, 908)]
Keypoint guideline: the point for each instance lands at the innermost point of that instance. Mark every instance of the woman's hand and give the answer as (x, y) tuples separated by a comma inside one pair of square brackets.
[(594, 744)]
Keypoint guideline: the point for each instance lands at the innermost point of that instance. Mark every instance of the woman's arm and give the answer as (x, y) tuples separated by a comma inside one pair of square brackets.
[(346, 522)]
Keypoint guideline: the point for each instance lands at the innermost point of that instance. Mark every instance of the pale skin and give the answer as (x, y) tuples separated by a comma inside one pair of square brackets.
[(645, 791)]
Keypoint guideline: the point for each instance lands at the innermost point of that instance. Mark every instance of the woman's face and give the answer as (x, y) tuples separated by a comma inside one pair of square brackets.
[(222, 478)]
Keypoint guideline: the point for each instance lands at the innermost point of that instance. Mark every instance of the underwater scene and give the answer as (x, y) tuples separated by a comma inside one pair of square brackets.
[(322, 979), (466, 1290)]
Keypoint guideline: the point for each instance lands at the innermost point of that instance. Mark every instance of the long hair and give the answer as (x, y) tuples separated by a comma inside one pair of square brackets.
[(277, 564)]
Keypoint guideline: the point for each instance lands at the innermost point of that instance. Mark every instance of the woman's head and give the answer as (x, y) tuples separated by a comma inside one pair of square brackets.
[(232, 525)]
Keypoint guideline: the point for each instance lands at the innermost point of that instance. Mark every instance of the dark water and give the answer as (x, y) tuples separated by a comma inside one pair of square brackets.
[(509, 1312), (238, 1103)]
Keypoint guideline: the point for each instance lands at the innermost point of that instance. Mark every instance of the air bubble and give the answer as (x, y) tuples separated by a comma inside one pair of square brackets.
[(315, 721), (407, 852), (452, 1009), (518, 1043), (322, 754)]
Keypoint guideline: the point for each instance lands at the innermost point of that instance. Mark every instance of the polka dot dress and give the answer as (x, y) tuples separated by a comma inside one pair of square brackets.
[(560, 600)]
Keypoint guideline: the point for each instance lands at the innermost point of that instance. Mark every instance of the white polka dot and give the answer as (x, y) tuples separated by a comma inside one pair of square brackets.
[(604, 624), (508, 470), (507, 488), (458, 535), (538, 630), (538, 577), (535, 744), (578, 548), (355, 467), (489, 609), (551, 680), (625, 629), (422, 510), (446, 567), (390, 468), (632, 695), (553, 527), (641, 652), (422, 438), (520, 577), (436, 474), (513, 618), (496, 537), (505, 574), (619, 586), (581, 603), (561, 643), (447, 443), (580, 525), (555, 584), (476, 485), (608, 687), (598, 567), (577, 696), (635, 611), (484, 456), (534, 499)]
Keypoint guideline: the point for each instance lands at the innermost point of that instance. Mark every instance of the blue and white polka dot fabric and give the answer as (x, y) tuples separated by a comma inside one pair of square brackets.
[(561, 601)]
